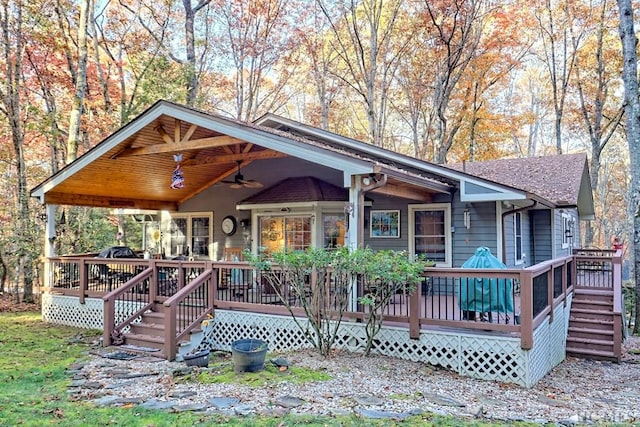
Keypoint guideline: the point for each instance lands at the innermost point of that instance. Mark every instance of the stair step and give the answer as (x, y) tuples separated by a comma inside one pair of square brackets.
[(590, 341), (588, 333), (587, 313), (590, 353), (144, 328)]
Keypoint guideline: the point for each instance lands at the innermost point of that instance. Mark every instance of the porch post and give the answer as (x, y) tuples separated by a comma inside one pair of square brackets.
[(49, 244), (355, 212)]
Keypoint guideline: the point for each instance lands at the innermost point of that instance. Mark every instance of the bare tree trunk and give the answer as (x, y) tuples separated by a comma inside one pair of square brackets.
[(632, 125), (81, 84)]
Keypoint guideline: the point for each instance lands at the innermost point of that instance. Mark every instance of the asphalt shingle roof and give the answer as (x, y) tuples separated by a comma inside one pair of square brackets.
[(556, 178)]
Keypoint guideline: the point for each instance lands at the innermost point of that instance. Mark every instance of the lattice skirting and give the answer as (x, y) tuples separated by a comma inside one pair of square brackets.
[(64, 310), (490, 357)]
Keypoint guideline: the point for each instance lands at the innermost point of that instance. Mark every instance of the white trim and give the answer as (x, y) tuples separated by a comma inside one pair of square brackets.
[(165, 226), (515, 240), (499, 231), (446, 207)]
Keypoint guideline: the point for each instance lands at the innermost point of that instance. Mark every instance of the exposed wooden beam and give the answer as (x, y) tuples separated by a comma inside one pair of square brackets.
[(405, 191), (108, 202), (165, 136), (226, 158), (171, 147), (215, 180), (187, 136), (176, 130)]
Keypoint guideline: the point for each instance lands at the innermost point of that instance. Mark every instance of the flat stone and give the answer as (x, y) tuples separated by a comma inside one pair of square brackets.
[(289, 401), (443, 400), (190, 407), (553, 402), (129, 400), (92, 385), (373, 414), (224, 402), (182, 394), (158, 404), (131, 375), (368, 400), (118, 385), (105, 401), (339, 412), (245, 409)]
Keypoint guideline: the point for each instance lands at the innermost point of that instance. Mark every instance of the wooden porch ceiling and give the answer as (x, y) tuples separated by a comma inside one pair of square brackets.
[(137, 172)]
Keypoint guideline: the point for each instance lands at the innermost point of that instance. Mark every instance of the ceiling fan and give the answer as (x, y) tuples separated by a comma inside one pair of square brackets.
[(239, 181)]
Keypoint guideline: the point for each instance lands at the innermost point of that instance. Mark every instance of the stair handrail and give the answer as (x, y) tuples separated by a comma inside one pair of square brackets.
[(172, 335), (112, 331), (616, 261)]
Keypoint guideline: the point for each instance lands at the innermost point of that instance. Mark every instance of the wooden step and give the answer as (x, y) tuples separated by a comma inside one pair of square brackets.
[(590, 344), (592, 305), (585, 313), (144, 328), (144, 340), (591, 354), (589, 302), (581, 332)]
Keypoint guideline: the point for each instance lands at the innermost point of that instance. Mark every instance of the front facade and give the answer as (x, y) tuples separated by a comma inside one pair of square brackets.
[(278, 184)]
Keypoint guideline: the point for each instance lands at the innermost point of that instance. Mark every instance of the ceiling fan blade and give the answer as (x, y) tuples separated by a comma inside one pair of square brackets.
[(235, 185), (252, 184)]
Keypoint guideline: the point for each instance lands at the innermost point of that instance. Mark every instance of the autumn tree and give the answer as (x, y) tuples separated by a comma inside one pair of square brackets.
[(596, 79), (632, 126), (366, 36), (456, 29), (256, 40), (13, 98)]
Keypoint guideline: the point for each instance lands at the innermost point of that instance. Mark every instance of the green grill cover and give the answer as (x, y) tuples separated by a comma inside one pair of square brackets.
[(485, 295)]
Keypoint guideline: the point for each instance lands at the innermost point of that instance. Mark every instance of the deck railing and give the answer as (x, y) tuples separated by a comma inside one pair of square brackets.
[(506, 301)]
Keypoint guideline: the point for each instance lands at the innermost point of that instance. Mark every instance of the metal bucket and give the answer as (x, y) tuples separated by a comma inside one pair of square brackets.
[(248, 355)]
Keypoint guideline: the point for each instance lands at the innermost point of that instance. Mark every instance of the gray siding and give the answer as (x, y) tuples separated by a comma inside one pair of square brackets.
[(381, 202), (482, 232), (541, 242), (558, 232)]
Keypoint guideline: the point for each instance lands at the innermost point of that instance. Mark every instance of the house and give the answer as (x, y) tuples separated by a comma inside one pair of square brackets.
[(278, 183)]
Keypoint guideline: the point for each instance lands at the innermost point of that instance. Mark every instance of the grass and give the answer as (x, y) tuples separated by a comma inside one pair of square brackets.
[(34, 383)]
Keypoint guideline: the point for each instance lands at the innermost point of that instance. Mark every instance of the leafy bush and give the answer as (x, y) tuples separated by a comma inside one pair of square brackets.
[(322, 283)]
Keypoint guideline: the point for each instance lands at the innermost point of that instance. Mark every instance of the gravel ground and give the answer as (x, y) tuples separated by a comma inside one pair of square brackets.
[(576, 391)]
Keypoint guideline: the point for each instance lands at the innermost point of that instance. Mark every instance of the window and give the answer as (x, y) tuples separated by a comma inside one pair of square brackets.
[(385, 224), (284, 232), (430, 236), (190, 235), (517, 236), (333, 230)]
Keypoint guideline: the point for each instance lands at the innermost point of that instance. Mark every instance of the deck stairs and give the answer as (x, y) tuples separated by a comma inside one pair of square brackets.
[(591, 325), (147, 336)]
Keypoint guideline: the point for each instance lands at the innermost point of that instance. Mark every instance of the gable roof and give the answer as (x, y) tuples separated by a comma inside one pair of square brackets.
[(562, 179), (133, 166)]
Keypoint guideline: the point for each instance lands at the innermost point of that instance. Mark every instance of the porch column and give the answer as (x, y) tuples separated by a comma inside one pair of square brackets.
[(49, 242), (355, 212)]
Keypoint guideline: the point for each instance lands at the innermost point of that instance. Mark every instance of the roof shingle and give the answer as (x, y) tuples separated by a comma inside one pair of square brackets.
[(556, 178)]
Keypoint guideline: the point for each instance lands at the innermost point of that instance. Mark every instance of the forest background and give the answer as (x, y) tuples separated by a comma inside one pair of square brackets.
[(440, 80)]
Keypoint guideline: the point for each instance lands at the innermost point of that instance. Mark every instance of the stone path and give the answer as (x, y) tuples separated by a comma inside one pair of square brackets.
[(376, 388)]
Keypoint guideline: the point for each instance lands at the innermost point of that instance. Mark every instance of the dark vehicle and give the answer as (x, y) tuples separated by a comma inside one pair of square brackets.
[(115, 274)]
